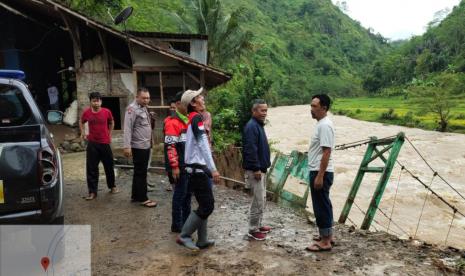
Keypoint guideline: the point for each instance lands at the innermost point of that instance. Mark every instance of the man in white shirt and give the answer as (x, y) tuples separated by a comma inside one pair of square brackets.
[(321, 170)]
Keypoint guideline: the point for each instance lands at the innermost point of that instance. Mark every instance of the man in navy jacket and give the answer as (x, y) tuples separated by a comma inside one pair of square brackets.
[(256, 161)]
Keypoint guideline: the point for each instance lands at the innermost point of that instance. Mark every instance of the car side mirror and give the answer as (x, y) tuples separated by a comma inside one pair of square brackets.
[(55, 117)]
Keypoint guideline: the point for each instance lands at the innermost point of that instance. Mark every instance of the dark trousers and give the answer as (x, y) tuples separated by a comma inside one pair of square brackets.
[(199, 185), (181, 205), (140, 159), (322, 207), (95, 153)]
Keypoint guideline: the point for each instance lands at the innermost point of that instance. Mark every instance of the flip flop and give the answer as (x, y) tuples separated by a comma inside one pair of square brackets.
[(317, 248), (91, 196), (149, 204), (318, 238)]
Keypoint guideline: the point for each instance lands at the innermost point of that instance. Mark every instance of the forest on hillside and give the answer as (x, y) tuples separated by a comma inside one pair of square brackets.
[(301, 46), (286, 51), (427, 70)]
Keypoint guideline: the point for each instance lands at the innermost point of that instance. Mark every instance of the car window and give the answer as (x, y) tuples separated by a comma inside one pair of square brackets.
[(14, 109)]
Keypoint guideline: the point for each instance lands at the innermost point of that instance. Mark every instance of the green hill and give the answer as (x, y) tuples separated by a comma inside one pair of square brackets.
[(302, 46), (428, 73), (439, 51)]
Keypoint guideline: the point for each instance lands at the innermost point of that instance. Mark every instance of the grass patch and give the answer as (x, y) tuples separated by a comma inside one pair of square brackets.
[(398, 111)]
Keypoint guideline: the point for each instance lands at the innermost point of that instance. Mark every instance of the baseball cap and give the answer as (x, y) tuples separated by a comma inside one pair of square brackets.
[(189, 95)]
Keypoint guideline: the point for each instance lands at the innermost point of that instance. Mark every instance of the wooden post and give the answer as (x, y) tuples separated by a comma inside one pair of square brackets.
[(106, 62), (134, 79), (183, 81), (202, 78), (193, 77), (161, 89), (73, 30)]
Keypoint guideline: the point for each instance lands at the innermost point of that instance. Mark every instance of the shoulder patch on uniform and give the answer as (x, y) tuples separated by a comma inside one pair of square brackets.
[(129, 110)]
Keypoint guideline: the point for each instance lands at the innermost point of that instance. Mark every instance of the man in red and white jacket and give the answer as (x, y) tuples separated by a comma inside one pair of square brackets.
[(174, 129), (199, 168)]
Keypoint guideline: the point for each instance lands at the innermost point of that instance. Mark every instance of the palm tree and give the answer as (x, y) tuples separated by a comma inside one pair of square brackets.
[(226, 40)]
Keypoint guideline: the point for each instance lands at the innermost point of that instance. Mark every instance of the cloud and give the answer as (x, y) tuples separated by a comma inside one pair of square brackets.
[(396, 19)]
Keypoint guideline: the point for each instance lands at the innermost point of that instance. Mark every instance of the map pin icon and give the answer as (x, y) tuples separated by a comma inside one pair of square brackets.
[(45, 262)]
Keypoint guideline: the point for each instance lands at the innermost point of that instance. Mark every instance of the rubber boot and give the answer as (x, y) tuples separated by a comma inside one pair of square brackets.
[(202, 234), (193, 222)]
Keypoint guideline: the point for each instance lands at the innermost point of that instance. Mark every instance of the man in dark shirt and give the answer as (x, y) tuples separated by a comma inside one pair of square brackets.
[(256, 156)]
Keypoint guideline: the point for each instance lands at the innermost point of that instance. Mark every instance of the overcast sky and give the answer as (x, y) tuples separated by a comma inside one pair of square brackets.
[(396, 19)]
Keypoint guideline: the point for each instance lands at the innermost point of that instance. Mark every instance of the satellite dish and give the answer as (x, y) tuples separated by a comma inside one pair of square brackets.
[(123, 15)]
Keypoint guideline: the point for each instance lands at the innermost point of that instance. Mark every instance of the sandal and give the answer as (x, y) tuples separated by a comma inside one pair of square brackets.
[(318, 238), (91, 196), (114, 190), (149, 204), (317, 248)]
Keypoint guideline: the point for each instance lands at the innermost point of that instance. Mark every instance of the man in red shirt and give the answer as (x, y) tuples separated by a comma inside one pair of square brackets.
[(100, 124)]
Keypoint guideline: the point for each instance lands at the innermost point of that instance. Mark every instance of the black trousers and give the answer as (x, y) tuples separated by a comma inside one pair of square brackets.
[(140, 159), (95, 153), (322, 207), (199, 185)]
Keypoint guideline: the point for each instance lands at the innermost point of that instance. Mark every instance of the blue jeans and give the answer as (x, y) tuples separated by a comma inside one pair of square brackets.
[(322, 207), (181, 204)]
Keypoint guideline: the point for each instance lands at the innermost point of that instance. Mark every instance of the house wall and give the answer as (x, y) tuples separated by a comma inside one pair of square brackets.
[(199, 50), (144, 57), (91, 77)]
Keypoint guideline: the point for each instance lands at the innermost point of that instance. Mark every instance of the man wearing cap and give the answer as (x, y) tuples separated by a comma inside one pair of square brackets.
[(100, 123), (137, 143), (199, 167), (174, 129)]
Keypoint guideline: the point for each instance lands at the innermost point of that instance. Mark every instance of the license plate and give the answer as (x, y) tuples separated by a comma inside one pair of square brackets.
[(2, 197)]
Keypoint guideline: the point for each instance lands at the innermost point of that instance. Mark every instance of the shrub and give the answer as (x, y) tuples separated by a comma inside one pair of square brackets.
[(342, 112), (460, 116), (421, 112), (388, 115), (409, 120)]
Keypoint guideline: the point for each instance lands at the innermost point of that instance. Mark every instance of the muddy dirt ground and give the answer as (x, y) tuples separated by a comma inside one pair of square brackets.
[(128, 239)]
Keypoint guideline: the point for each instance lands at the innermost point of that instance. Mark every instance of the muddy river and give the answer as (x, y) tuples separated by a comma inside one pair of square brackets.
[(290, 127)]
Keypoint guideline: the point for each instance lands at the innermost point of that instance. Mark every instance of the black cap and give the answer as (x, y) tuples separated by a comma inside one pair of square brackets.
[(178, 96)]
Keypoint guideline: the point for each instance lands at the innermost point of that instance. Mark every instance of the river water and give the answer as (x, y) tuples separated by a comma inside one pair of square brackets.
[(289, 128)]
